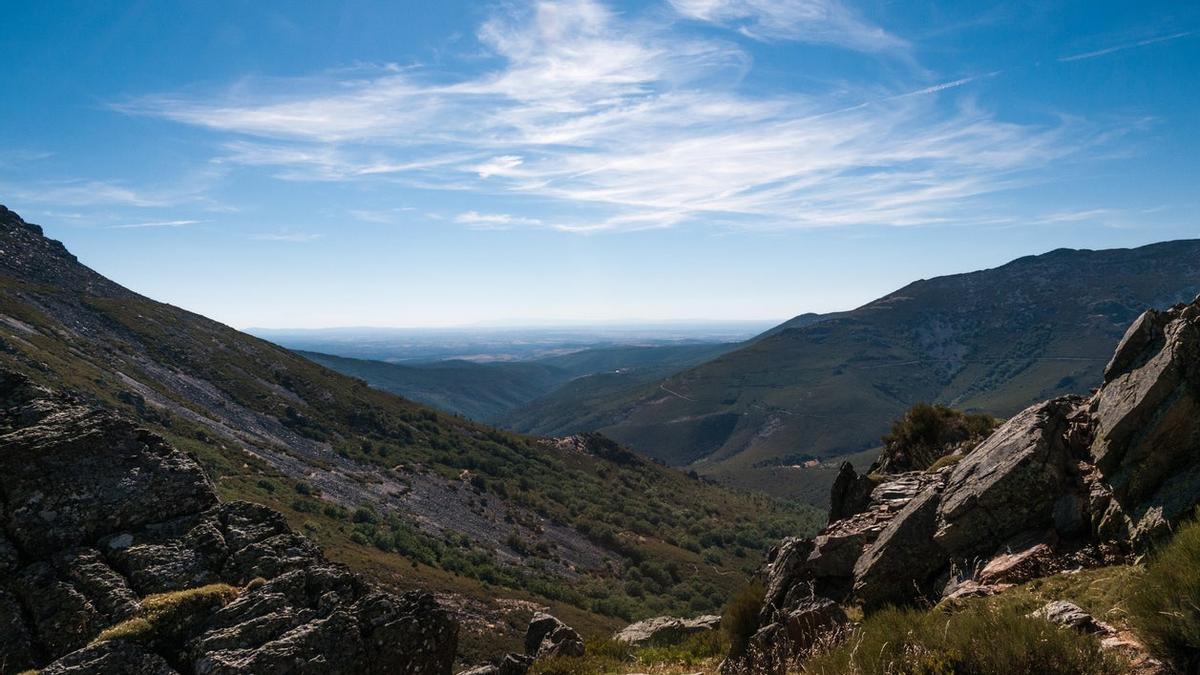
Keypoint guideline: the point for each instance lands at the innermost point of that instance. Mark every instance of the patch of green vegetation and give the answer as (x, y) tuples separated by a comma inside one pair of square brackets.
[(926, 433), (607, 656), (980, 639), (1165, 605), (945, 461), (740, 618), (165, 614)]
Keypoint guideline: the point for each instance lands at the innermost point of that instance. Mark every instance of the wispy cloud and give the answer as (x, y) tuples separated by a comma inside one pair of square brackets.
[(154, 224), (634, 124), (821, 21), (292, 237), (493, 220), (1127, 45), (89, 193)]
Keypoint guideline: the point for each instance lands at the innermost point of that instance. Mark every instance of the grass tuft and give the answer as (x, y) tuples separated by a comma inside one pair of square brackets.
[(700, 651), (1165, 606), (164, 613), (979, 640)]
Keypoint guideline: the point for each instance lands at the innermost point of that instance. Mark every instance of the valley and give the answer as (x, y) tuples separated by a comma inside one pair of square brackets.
[(413, 497)]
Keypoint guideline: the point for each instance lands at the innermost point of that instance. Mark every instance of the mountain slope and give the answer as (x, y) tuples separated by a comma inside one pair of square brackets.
[(406, 494), (491, 392), (993, 341), (480, 391)]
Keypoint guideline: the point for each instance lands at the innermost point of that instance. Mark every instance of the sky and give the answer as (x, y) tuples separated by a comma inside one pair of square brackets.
[(391, 163)]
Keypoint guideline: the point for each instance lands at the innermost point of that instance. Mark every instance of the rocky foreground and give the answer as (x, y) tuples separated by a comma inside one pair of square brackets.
[(1068, 483), (116, 557)]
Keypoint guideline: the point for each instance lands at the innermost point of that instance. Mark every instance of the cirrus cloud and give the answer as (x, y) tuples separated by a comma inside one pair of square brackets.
[(633, 123)]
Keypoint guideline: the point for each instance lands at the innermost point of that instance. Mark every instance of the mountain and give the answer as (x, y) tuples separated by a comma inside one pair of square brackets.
[(775, 413), (491, 391), (496, 523)]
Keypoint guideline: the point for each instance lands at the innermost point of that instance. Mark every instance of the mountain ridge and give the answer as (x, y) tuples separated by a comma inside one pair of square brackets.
[(991, 341)]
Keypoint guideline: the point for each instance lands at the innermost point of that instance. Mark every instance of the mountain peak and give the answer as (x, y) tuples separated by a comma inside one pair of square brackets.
[(27, 254)]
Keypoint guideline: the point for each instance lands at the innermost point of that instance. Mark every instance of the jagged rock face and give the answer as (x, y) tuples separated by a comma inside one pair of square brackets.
[(30, 255), (904, 556), (98, 514), (1147, 423), (850, 495), (1011, 483), (825, 564), (1065, 483), (548, 637)]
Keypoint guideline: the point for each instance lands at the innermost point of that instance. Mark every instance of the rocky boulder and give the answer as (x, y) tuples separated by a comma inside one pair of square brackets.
[(851, 493), (666, 630), (547, 637), (1067, 482), (1147, 426), (1019, 479), (103, 519)]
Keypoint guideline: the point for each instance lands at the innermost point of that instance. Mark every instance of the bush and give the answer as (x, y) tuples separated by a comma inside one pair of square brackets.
[(981, 639), (1165, 606), (365, 515), (928, 432), (740, 618)]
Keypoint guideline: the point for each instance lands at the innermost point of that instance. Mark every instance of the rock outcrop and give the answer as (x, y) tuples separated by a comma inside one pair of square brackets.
[(102, 519), (665, 630), (1069, 482), (546, 637)]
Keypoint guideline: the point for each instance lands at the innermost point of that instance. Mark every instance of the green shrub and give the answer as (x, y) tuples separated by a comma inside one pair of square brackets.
[(690, 652), (604, 656), (981, 639), (927, 432), (740, 618), (1165, 606)]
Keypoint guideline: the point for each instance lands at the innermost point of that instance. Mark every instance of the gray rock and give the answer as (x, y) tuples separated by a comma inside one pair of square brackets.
[(666, 630), (1010, 484), (851, 493), (16, 644), (1069, 614), (510, 664), (1147, 426), (547, 636), (89, 482), (79, 474), (62, 619), (110, 658), (775, 646), (898, 567), (91, 575)]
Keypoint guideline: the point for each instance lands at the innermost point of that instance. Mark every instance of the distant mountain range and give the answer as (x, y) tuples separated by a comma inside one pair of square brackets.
[(493, 391), (775, 413)]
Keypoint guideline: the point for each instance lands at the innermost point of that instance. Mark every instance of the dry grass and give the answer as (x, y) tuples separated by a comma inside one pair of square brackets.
[(1165, 606), (163, 613)]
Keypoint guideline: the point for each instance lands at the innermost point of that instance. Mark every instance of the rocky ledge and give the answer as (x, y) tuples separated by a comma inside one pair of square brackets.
[(1076, 481), (116, 557)]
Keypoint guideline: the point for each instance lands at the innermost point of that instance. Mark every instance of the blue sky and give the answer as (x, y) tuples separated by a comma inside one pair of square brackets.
[(313, 164)]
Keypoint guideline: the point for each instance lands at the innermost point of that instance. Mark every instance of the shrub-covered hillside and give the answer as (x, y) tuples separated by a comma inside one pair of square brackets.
[(417, 497)]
